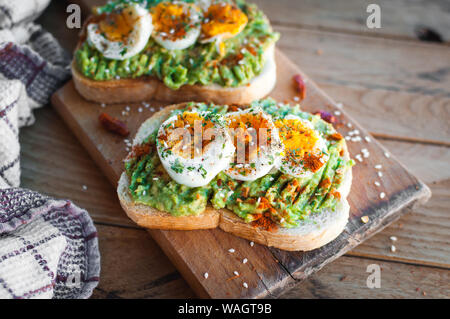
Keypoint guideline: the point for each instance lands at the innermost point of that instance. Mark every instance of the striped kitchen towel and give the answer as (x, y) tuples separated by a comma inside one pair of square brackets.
[(48, 248)]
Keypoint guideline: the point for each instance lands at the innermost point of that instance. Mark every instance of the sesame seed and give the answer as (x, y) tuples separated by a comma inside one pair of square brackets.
[(349, 125), (296, 98), (231, 250), (365, 219), (337, 112), (245, 285), (244, 261), (377, 183), (103, 105), (84, 187), (340, 105), (378, 166), (347, 138), (387, 154), (380, 174), (393, 238), (393, 248), (155, 178), (206, 275), (140, 110), (359, 157), (252, 244), (236, 273), (367, 139), (382, 195), (127, 108)]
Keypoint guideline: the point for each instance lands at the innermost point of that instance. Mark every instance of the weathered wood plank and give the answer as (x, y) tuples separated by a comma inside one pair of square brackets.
[(422, 234), (399, 19), (367, 62), (133, 266), (54, 162), (151, 275), (407, 116), (347, 276)]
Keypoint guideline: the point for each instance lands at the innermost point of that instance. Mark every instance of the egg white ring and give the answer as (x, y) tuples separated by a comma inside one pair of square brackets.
[(268, 156), (117, 50), (216, 156), (297, 169), (188, 39)]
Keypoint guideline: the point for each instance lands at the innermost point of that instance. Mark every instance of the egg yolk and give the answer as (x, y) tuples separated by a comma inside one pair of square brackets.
[(299, 142), (171, 19), (117, 26), (223, 19), (190, 123), (246, 129)]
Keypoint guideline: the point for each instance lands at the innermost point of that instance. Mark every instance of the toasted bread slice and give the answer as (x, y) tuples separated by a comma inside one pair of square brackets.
[(318, 231), (151, 88)]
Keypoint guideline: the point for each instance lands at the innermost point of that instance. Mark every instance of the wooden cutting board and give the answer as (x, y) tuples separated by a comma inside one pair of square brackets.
[(268, 270)]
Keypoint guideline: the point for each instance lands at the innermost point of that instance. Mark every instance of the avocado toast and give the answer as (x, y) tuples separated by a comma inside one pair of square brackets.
[(292, 206), (229, 60)]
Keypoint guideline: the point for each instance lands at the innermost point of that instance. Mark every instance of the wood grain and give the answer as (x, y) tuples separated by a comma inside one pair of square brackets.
[(407, 116), (151, 275), (274, 269), (367, 62), (399, 19)]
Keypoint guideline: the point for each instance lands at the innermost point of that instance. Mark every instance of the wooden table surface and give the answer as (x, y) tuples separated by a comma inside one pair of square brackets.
[(389, 80)]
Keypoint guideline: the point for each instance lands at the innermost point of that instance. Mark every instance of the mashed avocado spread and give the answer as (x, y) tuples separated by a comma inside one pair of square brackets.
[(235, 63), (283, 199)]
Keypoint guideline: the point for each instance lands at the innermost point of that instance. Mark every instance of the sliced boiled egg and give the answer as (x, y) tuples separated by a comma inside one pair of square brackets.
[(222, 21), (305, 150), (194, 147), (176, 24), (258, 146), (122, 33)]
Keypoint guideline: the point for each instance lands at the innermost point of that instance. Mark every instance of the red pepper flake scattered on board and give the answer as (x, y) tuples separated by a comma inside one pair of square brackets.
[(327, 116), (113, 125), (300, 85)]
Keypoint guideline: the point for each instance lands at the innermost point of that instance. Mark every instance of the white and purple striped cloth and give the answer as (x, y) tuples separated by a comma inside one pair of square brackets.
[(48, 248)]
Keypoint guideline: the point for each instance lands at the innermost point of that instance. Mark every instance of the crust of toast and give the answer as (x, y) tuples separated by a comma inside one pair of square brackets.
[(318, 231), (151, 88)]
